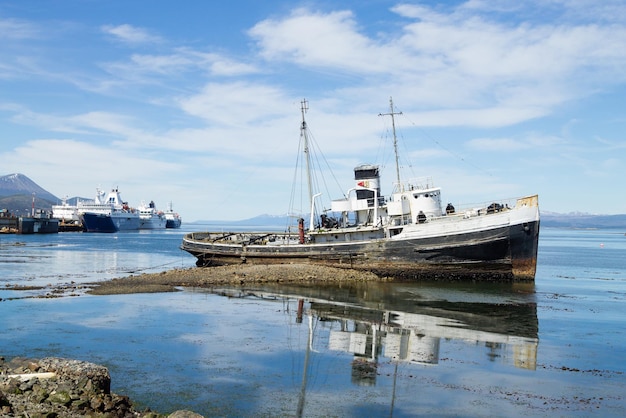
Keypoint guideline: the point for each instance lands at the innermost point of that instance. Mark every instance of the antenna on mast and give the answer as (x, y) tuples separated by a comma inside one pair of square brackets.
[(304, 106), (395, 141)]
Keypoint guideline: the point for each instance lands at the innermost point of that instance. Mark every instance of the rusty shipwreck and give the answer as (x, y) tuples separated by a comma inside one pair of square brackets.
[(408, 235)]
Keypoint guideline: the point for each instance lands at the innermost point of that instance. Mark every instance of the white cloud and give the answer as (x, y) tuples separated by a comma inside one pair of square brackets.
[(50, 156), (227, 67), (86, 123), (534, 141), (465, 58), (487, 117), (181, 67), (164, 64), (236, 103), (130, 34), (516, 53), (14, 29), (322, 40), (610, 144), (497, 144)]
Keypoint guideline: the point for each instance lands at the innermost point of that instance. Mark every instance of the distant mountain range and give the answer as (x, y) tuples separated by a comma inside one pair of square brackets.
[(548, 219), (18, 184), (16, 195), (17, 192), (583, 221)]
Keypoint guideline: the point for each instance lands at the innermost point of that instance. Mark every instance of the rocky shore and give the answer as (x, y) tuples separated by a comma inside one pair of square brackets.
[(56, 387)]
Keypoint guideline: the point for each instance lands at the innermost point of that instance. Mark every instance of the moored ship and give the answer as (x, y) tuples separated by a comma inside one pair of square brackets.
[(173, 219), (408, 235), (67, 215), (65, 212), (108, 214), (150, 217)]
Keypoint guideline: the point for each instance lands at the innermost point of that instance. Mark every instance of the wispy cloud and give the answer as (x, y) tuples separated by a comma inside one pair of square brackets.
[(236, 103), (467, 59), (322, 40), (90, 123), (498, 144), (130, 34), (180, 61), (535, 141), (13, 29)]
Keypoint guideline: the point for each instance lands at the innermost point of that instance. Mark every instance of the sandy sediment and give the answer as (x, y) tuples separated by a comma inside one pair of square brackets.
[(242, 274)]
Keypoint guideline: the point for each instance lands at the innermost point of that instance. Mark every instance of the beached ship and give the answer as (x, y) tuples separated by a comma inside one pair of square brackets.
[(150, 217), (173, 219), (408, 235), (108, 213)]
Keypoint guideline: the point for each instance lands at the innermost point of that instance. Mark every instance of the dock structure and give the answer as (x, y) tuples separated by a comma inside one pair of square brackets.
[(39, 223), (8, 222), (35, 225)]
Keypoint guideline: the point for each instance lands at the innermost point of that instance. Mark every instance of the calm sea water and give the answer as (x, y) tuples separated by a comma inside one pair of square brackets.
[(555, 348)]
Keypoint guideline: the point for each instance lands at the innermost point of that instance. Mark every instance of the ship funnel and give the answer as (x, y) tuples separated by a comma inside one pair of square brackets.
[(367, 179)]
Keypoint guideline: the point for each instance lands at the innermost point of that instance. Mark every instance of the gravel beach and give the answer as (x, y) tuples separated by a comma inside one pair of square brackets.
[(168, 281)]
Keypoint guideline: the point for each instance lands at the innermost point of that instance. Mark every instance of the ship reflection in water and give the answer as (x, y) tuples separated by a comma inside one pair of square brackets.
[(412, 323), (416, 338)]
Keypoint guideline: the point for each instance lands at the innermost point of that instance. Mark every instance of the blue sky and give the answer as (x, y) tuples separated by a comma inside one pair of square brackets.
[(198, 102)]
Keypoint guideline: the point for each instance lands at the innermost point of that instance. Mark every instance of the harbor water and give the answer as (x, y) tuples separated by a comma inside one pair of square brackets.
[(555, 348)]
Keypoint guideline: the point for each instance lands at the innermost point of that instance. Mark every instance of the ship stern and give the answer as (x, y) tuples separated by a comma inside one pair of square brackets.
[(524, 239)]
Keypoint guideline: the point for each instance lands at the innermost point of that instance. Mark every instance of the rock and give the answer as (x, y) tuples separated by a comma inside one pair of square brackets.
[(185, 414), (61, 398), (64, 388), (5, 405), (90, 375)]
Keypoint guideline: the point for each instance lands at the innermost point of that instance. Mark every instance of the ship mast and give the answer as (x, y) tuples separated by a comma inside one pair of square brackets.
[(395, 141), (304, 106)]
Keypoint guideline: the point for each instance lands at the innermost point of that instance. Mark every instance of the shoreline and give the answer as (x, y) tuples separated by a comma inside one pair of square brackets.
[(233, 275), (203, 277)]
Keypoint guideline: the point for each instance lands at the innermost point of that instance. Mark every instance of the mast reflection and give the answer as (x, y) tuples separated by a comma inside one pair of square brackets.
[(397, 323), (412, 338), (411, 322)]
